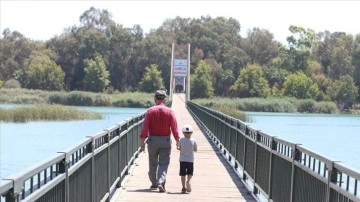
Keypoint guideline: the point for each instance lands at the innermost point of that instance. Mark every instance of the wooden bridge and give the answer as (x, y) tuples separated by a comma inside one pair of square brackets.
[(234, 162), (214, 179)]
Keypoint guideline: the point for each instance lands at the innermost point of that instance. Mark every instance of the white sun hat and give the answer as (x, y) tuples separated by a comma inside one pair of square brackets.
[(187, 128)]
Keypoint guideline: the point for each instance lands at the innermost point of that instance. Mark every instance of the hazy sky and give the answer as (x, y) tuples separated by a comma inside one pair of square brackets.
[(41, 20)]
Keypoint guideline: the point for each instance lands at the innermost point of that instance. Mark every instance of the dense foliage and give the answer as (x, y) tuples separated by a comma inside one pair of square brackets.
[(101, 55)]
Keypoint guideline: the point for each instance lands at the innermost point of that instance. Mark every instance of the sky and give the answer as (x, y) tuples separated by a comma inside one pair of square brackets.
[(42, 20)]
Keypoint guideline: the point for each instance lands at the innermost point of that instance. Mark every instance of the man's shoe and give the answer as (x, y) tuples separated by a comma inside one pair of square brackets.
[(153, 187), (183, 190), (161, 188), (188, 186)]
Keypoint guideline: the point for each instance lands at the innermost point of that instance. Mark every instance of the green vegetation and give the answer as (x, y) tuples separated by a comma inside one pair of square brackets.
[(287, 105), (46, 112), (45, 76), (201, 82), (76, 98), (231, 112), (251, 83), (96, 76), (151, 80), (103, 57)]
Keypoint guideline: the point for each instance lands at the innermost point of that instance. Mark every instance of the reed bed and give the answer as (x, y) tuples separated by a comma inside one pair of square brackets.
[(77, 98), (45, 112), (283, 105)]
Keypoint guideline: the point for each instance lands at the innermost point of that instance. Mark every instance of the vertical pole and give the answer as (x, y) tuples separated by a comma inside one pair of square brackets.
[(171, 71), (188, 75)]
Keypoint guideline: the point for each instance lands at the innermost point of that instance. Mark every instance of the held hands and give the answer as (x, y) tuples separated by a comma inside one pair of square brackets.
[(177, 145), (142, 146)]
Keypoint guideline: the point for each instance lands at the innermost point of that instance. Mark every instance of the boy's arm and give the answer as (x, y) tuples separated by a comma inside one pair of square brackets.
[(195, 147)]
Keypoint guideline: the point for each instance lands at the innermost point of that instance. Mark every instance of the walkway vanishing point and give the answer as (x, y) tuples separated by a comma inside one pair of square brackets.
[(214, 179)]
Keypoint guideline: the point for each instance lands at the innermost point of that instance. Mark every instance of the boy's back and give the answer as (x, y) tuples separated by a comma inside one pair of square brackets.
[(187, 148)]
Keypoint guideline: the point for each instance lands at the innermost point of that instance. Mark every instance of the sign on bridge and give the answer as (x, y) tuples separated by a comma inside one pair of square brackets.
[(180, 67)]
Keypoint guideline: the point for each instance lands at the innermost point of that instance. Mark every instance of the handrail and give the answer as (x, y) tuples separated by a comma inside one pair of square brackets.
[(274, 168), (90, 170)]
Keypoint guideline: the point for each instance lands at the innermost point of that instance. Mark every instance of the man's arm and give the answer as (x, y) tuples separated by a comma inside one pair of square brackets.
[(144, 132), (174, 127)]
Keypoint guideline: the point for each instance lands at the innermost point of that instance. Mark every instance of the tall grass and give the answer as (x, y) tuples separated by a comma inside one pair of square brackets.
[(286, 105), (23, 96), (76, 98), (42, 112)]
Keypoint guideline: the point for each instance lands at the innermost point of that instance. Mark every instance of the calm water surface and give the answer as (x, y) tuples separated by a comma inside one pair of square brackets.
[(24, 144), (336, 137)]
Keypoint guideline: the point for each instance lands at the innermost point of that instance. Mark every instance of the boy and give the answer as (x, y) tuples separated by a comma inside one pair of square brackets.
[(187, 146)]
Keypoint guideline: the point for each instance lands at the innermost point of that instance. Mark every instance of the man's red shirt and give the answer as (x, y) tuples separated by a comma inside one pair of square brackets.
[(160, 120)]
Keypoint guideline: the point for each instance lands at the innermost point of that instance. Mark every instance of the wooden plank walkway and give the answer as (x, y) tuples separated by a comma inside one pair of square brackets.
[(213, 180)]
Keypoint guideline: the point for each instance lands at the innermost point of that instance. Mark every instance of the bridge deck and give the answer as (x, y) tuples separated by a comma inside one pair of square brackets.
[(213, 180)]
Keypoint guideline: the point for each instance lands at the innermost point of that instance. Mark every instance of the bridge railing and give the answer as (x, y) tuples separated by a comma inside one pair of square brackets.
[(88, 171), (274, 168)]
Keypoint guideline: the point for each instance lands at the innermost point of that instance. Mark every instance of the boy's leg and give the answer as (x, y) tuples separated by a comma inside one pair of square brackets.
[(188, 183), (182, 174), (190, 172), (183, 181)]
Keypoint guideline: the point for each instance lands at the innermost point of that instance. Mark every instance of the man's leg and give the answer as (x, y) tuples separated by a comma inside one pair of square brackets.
[(164, 159), (153, 160)]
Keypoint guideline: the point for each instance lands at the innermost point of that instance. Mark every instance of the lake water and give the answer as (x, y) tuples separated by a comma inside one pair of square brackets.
[(23, 144), (336, 137)]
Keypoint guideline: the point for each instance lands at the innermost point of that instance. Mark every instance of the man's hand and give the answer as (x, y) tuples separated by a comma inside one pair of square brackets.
[(142, 146), (177, 145)]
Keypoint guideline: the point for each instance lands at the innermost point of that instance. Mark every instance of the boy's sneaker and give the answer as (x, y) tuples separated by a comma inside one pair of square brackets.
[(188, 186), (153, 187), (161, 188), (183, 190)]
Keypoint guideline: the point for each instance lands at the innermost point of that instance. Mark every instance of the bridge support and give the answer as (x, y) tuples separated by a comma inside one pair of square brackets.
[(180, 70)]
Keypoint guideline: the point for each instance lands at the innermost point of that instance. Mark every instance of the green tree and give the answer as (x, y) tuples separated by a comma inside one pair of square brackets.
[(151, 80), (300, 86), (96, 76), (300, 43), (260, 46), (14, 51), (340, 56), (343, 91), (227, 78), (356, 60), (201, 82), (45, 76), (251, 83), (121, 51)]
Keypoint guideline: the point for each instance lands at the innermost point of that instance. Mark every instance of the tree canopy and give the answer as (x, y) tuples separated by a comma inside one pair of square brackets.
[(232, 64)]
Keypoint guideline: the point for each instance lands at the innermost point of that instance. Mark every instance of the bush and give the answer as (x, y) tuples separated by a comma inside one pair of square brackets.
[(78, 98), (326, 107), (307, 105), (57, 98), (12, 83)]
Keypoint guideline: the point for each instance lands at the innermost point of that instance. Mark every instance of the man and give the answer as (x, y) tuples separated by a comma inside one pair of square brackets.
[(159, 123)]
